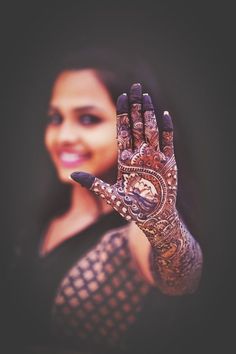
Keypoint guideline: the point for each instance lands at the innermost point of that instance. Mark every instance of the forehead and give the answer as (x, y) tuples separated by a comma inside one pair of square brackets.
[(80, 86)]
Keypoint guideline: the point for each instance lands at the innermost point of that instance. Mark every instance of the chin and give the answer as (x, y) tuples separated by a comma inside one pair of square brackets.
[(65, 179), (64, 176)]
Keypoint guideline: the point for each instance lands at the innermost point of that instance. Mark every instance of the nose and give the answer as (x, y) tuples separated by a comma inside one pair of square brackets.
[(68, 133)]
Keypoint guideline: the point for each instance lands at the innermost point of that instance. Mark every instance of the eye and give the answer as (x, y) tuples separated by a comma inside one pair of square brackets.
[(89, 119), (54, 119)]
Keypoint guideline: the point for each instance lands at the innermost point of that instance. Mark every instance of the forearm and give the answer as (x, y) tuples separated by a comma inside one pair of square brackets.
[(175, 257)]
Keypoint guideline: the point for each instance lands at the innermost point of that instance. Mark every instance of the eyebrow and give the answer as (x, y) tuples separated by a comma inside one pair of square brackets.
[(84, 108), (75, 109)]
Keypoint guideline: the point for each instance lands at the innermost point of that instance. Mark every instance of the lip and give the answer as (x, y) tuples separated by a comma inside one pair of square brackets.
[(69, 158)]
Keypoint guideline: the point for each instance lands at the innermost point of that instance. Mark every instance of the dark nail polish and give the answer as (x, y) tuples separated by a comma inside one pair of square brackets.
[(147, 103), (122, 105), (167, 124), (85, 179), (136, 93)]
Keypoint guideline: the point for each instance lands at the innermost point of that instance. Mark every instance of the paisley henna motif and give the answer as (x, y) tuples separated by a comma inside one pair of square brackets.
[(146, 192)]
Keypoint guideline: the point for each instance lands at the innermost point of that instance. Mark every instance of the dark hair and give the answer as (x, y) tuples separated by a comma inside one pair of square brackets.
[(117, 70)]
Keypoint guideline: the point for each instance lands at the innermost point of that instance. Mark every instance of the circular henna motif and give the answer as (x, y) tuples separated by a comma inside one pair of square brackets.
[(148, 193)]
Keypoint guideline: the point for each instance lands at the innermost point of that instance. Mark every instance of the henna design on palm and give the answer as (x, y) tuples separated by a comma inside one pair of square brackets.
[(146, 187)]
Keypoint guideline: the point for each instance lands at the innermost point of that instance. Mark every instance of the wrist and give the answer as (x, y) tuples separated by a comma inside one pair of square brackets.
[(162, 229)]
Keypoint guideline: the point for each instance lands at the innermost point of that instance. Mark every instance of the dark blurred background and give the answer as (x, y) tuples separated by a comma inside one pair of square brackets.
[(190, 47)]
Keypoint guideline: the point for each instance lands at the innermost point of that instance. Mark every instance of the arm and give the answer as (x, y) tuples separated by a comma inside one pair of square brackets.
[(146, 192), (176, 261), (175, 272)]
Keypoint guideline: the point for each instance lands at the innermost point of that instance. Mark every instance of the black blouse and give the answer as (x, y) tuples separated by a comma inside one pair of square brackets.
[(87, 294)]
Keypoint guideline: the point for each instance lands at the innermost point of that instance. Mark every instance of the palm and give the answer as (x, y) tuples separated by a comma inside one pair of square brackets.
[(148, 182)]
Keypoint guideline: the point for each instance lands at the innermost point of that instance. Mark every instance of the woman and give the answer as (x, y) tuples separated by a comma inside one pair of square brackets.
[(94, 270)]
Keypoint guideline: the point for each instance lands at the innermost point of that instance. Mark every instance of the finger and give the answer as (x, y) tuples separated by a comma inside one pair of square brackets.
[(136, 115), (150, 122), (167, 135), (123, 126), (113, 195), (85, 179)]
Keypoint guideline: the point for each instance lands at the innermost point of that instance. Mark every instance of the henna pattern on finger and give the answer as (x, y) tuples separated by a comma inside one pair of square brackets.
[(150, 123), (167, 143), (123, 132), (137, 125), (151, 132)]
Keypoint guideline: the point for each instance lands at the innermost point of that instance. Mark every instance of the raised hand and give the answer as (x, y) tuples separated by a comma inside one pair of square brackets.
[(146, 188), (147, 169)]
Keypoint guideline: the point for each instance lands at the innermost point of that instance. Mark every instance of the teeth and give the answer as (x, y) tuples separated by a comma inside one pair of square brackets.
[(69, 157)]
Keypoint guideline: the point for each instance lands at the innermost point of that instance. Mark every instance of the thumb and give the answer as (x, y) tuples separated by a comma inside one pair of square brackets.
[(111, 194), (85, 179)]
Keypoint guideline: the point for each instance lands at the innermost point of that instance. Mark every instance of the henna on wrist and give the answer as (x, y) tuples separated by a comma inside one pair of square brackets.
[(176, 260)]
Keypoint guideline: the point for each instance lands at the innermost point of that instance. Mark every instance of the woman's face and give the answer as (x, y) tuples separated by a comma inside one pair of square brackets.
[(81, 132)]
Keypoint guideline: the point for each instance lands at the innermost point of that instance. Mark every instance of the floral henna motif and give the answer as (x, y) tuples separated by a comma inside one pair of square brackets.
[(146, 191)]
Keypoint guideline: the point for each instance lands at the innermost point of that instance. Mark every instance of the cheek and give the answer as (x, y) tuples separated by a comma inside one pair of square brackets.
[(103, 144), (103, 139), (105, 155)]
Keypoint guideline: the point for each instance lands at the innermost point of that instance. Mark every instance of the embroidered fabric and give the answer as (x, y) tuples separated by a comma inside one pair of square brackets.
[(100, 297)]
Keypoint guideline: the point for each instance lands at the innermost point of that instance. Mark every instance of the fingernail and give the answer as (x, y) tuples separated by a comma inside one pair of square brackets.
[(122, 105), (167, 124), (85, 179), (136, 93), (147, 102)]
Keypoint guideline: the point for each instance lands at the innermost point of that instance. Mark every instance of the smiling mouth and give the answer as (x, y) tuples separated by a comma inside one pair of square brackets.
[(71, 159)]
